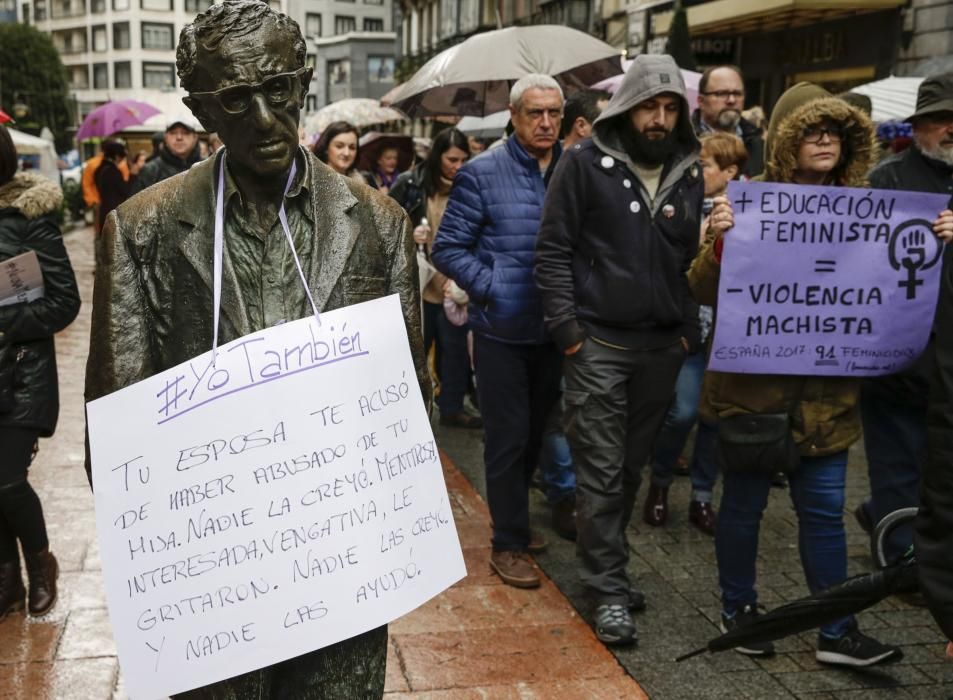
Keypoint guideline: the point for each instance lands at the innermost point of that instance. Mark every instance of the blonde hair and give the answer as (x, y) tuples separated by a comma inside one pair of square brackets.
[(725, 149)]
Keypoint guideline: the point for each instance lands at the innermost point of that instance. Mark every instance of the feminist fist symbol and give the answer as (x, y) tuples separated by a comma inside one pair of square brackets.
[(910, 250)]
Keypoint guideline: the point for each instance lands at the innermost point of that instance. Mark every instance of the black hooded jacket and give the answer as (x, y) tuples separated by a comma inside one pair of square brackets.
[(611, 262), (29, 396)]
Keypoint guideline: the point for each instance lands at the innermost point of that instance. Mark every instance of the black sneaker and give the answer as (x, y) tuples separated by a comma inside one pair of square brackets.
[(855, 649), (614, 624), (746, 615)]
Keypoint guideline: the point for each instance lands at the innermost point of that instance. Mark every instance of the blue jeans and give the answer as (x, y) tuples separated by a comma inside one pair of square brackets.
[(817, 491), (678, 424), (895, 440), (555, 466)]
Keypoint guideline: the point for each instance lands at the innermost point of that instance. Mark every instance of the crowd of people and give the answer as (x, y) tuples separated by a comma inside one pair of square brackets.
[(566, 290), (549, 238)]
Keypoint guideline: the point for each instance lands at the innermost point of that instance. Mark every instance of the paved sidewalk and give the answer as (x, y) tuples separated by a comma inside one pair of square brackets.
[(675, 567), (480, 639)]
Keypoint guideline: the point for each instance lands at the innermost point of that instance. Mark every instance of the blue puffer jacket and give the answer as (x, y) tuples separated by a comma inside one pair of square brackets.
[(487, 242)]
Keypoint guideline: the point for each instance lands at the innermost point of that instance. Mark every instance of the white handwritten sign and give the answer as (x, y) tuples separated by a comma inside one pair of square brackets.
[(284, 499), (20, 279)]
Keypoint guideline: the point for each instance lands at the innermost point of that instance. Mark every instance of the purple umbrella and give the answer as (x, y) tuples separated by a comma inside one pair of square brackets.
[(114, 116)]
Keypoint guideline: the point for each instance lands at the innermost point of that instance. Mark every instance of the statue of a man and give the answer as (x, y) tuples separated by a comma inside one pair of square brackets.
[(243, 66)]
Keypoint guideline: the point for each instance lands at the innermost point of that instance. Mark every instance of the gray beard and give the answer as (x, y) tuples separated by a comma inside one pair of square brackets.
[(944, 155), (728, 119)]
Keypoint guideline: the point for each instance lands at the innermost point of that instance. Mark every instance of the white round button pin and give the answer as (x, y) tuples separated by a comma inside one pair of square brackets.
[(627, 184), (607, 162), (635, 207)]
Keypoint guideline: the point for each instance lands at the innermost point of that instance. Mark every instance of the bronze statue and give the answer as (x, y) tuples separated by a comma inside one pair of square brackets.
[(243, 66)]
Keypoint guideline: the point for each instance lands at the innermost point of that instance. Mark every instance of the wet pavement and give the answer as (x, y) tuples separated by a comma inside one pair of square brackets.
[(480, 639), (675, 567)]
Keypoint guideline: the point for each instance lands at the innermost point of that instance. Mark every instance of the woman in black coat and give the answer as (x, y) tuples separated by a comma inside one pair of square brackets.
[(29, 399), (423, 193)]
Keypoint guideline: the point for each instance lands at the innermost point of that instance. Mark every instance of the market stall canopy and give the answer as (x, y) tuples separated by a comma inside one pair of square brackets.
[(358, 111), (892, 98), (474, 77), (690, 77), (27, 145), (746, 16)]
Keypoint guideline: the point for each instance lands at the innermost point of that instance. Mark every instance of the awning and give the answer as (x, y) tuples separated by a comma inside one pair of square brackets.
[(746, 16)]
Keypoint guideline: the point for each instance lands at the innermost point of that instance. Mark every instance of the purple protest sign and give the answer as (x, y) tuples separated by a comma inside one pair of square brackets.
[(826, 281)]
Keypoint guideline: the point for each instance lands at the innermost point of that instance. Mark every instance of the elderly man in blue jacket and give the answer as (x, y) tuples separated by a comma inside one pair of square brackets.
[(486, 243)]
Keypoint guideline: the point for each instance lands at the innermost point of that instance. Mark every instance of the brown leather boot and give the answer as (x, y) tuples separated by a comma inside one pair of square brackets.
[(42, 572), (655, 512), (12, 592), (703, 516)]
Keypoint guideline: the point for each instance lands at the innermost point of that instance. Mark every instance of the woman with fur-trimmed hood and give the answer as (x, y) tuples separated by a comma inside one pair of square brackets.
[(813, 139), (29, 400)]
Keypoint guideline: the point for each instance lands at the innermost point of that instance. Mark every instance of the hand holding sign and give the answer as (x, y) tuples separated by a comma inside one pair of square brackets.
[(722, 217), (943, 226)]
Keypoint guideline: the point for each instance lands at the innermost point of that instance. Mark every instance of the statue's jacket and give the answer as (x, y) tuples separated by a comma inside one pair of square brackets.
[(152, 301)]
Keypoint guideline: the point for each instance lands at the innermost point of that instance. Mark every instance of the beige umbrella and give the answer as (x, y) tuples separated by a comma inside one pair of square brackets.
[(475, 76), (359, 111)]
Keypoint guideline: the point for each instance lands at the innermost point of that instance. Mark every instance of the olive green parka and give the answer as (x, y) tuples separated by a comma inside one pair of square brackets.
[(825, 410)]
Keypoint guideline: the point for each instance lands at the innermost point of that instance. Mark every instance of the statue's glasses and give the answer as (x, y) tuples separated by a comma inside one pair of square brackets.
[(236, 99)]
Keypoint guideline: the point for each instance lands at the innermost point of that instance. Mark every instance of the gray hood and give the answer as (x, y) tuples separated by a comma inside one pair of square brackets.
[(648, 76)]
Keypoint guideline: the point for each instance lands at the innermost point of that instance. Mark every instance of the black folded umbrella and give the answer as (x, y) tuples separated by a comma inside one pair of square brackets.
[(853, 595)]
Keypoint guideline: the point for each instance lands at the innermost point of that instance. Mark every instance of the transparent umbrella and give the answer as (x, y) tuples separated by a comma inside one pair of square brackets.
[(475, 76), (358, 111)]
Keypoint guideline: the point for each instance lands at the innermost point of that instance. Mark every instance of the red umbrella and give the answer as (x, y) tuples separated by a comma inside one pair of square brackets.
[(4, 117)]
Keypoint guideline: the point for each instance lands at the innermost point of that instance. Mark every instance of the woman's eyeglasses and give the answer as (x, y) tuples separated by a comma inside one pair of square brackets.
[(236, 99), (815, 134)]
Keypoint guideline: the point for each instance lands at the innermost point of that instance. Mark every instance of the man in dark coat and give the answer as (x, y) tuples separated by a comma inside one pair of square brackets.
[(618, 234), (243, 65), (485, 244), (933, 536), (721, 97), (894, 408), (178, 153)]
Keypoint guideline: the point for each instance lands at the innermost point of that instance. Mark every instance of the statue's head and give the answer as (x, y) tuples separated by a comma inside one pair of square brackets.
[(242, 64)]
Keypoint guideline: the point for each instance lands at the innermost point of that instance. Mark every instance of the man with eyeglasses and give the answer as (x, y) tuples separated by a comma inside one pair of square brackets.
[(242, 64), (721, 98), (894, 408), (485, 243), (177, 153)]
